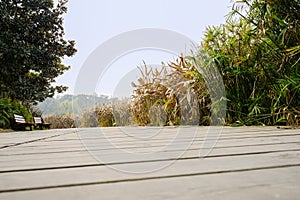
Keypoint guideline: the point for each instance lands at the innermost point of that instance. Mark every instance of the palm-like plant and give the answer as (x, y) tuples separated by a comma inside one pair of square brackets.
[(257, 51)]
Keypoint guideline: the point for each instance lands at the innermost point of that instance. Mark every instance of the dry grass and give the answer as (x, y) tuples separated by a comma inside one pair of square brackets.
[(5, 130)]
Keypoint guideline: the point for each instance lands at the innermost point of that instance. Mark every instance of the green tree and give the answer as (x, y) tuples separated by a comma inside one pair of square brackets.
[(32, 48)]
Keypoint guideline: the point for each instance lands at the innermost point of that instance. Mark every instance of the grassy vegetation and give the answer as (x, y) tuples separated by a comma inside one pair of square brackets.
[(258, 55)]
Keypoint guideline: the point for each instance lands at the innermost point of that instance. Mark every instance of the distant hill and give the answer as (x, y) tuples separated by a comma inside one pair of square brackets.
[(75, 104)]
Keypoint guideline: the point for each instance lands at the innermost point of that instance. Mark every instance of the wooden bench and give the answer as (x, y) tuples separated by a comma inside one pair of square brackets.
[(38, 122), (20, 123)]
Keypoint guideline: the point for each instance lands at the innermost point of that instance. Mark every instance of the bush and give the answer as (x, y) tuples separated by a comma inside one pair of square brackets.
[(60, 121), (151, 93), (174, 95), (104, 115), (88, 119), (116, 114), (8, 109), (122, 112)]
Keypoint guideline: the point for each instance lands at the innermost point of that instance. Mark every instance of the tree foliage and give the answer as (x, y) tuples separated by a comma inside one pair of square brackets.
[(32, 48)]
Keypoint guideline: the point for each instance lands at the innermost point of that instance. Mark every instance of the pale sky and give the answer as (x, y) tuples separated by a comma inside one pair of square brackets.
[(92, 22)]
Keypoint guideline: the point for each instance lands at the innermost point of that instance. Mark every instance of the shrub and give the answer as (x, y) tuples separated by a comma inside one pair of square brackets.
[(122, 112), (60, 121), (88, 119), (104, 115), (152, 93), (8, 109)]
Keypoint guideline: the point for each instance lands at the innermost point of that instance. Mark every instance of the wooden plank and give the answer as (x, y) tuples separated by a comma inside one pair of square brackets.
[(281, 183), (160, 169), (57, 144), (68, 159), (75, 146), (11, 139), (42, 155)]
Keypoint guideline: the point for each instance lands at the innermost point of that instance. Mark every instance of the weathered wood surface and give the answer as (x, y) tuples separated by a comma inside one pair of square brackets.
[(150, 163)]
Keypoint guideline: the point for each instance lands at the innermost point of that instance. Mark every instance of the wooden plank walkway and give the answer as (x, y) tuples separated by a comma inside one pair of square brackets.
[(150, 163)]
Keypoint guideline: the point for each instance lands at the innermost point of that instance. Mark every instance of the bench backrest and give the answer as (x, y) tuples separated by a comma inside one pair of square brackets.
[(19, 119), (37, 120)]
